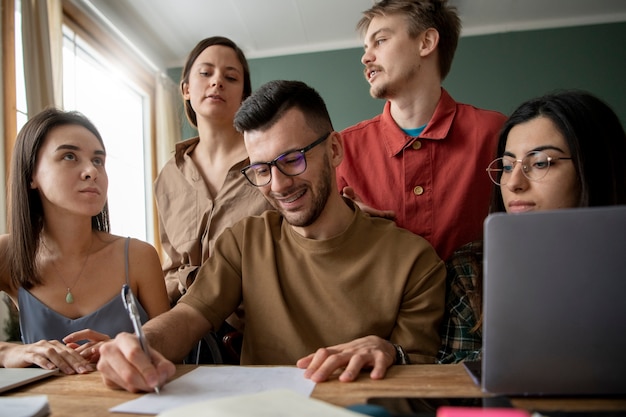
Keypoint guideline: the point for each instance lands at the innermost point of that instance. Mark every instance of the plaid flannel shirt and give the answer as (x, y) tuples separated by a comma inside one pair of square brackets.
[(458, 341)]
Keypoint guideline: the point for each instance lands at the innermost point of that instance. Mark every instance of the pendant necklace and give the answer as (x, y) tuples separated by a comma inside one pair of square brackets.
[(69, 297)]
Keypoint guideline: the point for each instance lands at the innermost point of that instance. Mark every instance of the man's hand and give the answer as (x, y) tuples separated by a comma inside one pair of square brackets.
[(366, 352), (123, 364), (348, 192)]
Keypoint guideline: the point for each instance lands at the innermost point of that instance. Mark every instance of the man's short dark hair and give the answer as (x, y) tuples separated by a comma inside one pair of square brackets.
[(269, 103)]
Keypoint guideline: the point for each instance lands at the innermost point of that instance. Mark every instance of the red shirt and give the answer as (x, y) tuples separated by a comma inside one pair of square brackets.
[(436, 183)]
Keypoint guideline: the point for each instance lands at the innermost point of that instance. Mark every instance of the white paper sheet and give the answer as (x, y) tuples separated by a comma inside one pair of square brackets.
[(277, 403), (209, 382), (30, 406)]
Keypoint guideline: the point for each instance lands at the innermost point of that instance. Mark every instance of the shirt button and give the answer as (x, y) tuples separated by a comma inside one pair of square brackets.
[(416, 145), (418, 190)]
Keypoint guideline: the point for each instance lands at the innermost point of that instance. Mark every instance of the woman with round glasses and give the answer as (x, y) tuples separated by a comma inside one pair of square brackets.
[(558, 151)]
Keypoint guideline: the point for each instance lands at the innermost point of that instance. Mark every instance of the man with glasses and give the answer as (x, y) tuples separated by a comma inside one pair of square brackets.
[(325, 286)]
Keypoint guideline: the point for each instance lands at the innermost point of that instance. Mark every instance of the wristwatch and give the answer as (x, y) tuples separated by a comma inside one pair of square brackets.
[(401, 357)]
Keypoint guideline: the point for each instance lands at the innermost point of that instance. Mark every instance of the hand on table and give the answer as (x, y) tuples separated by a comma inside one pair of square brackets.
[(367, 352), (124, 364), (47, 354)]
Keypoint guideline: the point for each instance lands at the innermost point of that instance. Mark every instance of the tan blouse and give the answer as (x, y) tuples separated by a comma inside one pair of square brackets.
[(190, 219)]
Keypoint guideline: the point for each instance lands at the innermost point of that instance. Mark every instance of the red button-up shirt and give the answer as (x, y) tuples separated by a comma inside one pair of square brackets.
[(436, 183)]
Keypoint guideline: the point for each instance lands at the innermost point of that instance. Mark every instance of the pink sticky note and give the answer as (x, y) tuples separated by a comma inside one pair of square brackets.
[(449, 411)]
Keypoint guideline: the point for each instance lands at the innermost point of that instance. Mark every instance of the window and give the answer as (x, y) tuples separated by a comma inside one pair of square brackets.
[(105, 95), (20, 97), (101, 81)]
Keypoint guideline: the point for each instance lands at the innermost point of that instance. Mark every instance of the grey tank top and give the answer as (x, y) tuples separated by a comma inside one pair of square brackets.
[(39, 322)]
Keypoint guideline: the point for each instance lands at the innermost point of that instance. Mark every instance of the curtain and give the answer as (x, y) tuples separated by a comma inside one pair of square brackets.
[(168, 118), (42, 47), (3, 169)]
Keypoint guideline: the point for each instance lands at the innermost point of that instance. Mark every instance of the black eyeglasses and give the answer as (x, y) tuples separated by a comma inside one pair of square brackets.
[(535, 166), (290, 163)]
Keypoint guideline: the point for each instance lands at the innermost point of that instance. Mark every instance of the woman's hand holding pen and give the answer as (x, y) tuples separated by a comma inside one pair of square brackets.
[(123, 364)]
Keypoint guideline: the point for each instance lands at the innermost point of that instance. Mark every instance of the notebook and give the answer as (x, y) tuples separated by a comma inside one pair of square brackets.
[(16, 377), (555, 302)]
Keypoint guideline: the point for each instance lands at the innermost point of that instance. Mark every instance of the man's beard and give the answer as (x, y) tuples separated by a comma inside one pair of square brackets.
[(380, 91), (320, 198)]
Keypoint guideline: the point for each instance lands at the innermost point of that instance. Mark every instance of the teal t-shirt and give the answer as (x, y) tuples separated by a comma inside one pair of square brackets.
[(414, 132)]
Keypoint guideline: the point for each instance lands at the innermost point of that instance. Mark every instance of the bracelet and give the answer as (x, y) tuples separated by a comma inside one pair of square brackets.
[(401, 357)]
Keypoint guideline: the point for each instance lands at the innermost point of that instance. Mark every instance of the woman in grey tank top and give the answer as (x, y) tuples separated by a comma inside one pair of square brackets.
[(59, 264)]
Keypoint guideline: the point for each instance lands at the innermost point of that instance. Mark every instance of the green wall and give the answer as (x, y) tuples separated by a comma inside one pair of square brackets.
[(492, 71), (503, 70)]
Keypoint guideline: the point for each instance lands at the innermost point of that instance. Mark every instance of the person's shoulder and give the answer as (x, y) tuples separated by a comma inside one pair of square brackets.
[(469, 250), (140, 253), (165, 173), (177, 155), (134, 243), (356, 128), (396, 235), (265, 217), (466, 109), (480, 113), (267, 220), (136, 247), (465, 266)]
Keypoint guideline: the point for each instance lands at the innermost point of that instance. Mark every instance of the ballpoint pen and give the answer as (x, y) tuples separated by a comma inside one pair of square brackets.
[(131, 306)]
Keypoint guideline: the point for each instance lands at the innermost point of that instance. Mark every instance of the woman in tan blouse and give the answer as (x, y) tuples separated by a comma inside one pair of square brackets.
[(200, 190)]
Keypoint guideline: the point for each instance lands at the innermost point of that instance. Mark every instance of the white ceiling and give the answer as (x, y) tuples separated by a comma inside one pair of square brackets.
[(164, 31)]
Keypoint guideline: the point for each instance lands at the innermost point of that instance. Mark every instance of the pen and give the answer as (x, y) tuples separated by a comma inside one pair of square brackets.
[(131, 306)]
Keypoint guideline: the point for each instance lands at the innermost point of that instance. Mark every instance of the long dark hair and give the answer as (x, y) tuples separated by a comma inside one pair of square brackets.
[(25, 207), (594, 135), (193, 55), (597, 143)]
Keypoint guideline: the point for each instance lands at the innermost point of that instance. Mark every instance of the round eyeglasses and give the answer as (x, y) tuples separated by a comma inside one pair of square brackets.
[(535, 166), (290, 163)]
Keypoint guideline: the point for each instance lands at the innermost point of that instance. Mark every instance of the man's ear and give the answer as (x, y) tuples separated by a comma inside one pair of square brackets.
[(336, 147), (429, 40)]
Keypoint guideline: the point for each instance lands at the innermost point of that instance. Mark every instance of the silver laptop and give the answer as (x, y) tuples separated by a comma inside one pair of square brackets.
[(555, 302), (11, 378)]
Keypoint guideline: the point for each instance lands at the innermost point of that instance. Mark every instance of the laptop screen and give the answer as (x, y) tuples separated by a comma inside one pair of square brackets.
[(555, 302)]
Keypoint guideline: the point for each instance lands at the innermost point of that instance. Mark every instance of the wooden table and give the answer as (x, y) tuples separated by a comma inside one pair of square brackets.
[(86, 395)]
